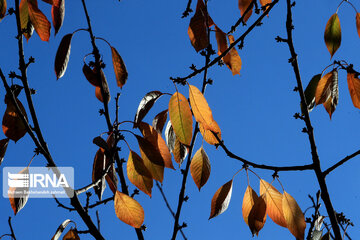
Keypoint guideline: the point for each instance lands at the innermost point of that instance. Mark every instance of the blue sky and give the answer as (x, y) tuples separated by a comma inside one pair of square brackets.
[(254, 111)]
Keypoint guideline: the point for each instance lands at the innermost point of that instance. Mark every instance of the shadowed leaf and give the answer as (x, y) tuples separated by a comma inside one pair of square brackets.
[(58, 14), (105, 86), (2, 9), (221, 199), (17, 203), (25, 19), (71, 235), (310, 91), (111, 177), (249, 199), (3, 146), (243, 5), (170, 136), (293, 215), (128, 210), (99, 166), (121, 73), (40, 22), (200, 168), (208, 135), (159, 121), (357, 18), (354, 88), (257, 216), (180, 151), (332, 34), (63, 55), (12, 125), (145, 105), (327, 91), (61, 229), (90, 75)]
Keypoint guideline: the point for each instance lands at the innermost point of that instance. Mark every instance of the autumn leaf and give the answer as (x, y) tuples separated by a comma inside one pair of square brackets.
[(181, 118), (121, 73), (257, 216), (18, 202), (99, 166), (145, 105), (221, 199), (264, 3), (178, 149), (58, 14), (170, 136), (63, 55), (248, 203), (128, 210), (200, 168), (138, 174), (111, 177), (48, 1), (2, 9), (293, 215), (310, 91), (71, 235), (208, 135), (90, 75), (273, 199), (40, 22), (12, 124), (25, 19), (357, 18), (3, 146), (243, 5), (105, 86), (61, 229), (354, 88), (159, 121), (327, 91), (332, 34)]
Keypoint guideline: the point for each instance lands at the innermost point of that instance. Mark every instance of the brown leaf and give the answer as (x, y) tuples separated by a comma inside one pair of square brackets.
[(25, 19), (60, 229), (200, 168), (40, 22), (111, 177), (159, 121), (58, 14), (243, 5), (3, 146), (2, 9), (180, 151), (17, 203), (121, 73), (354, 88), (293, 215), (105, 86), (145, 105), (357, 18), (273, 200), (332, 35), (257, 216), (71, 235), (248, 203), (327, 91), (48, 1), (12, 124), (128, 210), (99, 166), (90, 75), (63, 55), (138, 174), (100, 142), (221, 199), (208, 135)]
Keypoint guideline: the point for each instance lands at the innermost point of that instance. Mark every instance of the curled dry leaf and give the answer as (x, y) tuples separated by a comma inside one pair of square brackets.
[(221, 199), (170, 136), (18, 196), (138, 174), (12, 124), (61, 229), (293, 215), (310, 91), (40, 22), (354, 88), (58, 14), (90, 75), (159, 121), (25, 19), (128, 210), (209, 136), (145, 105), (71, 235), (332, 34), (243, 5), (121, 73), (105, 86), (357, 18), (100, 142), (99, 166), (3, 146), (180, 152), (181, 118), (111, 177), (249, 199), (63, 55), (200, 168), (2, 9), (327, 91)]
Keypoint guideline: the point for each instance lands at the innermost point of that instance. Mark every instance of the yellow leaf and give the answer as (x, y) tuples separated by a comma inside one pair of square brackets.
[(327, 91), (25, 19), (71, 235), (138, 174), (12, 125), (354, 88), (40, 22), (257, 216), (200, 168), (128, 210), (243, 5), (180, 151), (293, 215), (249, 199), (121, 73), (221, 199), (2, 9), (208, 135), (332, 34), (273, 200), (181, 118), (357, 18)]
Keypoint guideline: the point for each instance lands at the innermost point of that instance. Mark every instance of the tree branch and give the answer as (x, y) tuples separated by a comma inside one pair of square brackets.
[(341, 162), (11, 229)]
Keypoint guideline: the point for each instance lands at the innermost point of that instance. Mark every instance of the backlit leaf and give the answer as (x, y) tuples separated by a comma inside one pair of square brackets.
[(61, 229), (145, 105), (310, 91), (12, 125), (180, 151), (208, 135), (105, 86), (327, 91), (17, 203), (71, 235), (25, 19), (121, 73), (63, 55), (181, 118), (58, 14), (332, 34), (200, 168), (3, 146), (265, 2), (273, 199), (152, 158), (159, 121), (128, 210), (357, 18), (170, 136), (257, 216), (354, 88), (249, 199), (138, 174), (221, 199), (2, 9), (293, 215), (40, 22), (243, 5)]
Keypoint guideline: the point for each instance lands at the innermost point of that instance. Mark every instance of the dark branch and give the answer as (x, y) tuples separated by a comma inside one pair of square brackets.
[(341, 162)]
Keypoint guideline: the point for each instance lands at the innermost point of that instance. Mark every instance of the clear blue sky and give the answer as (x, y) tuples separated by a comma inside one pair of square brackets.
[(254, 111)]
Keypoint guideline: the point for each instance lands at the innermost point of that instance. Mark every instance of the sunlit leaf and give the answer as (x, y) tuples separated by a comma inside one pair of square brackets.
[(170, 136), (181, 118), (357, 18), (180, 151), (159, 121), (354, 88), (332, 34), (310, 91), (105, 86), (273, 199), (138, 174), (221, 199), (243, 5), (12, 124), (152, 158), (208, 135), (18, 202), (249, 199), (327, 91), (71, 235), (61, 229), (200, 168), (3, 146), (121, 73), (293, 215), (2, 9), (40, 22), (63, 55), (25, 19), (128, 210), (265, 2), (58, 14), (145, 105), (257, 216)]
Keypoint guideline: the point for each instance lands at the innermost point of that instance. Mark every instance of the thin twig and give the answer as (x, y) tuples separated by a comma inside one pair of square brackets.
[(11, 229), (341, 162)]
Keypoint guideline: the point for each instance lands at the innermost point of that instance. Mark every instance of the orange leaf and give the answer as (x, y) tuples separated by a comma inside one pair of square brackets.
[(18, 202), (25, 19), (181, 118), (3, 146), (105, 86), (264, 2), (63, 55), (249, 200), (180, 151), (58, 14), (128, 210), (293, 215), (158, 142), (357, 18), (145, 105), (257, 216), (354, 88), (200, 168), (221, 199), (152, 158), (159, 121), (243, 5), (327, 91), (208, 135), (273, 200), (38, 19), (121, 73), (332, 34), (138, 174), (71, 235), (2, 9), (12, 125)]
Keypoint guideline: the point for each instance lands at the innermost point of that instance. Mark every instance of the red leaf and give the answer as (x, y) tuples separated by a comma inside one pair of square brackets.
[(58, 14), (38, 19)]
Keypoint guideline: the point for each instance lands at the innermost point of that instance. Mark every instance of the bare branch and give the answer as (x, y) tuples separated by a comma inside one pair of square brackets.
[(341, 162)]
